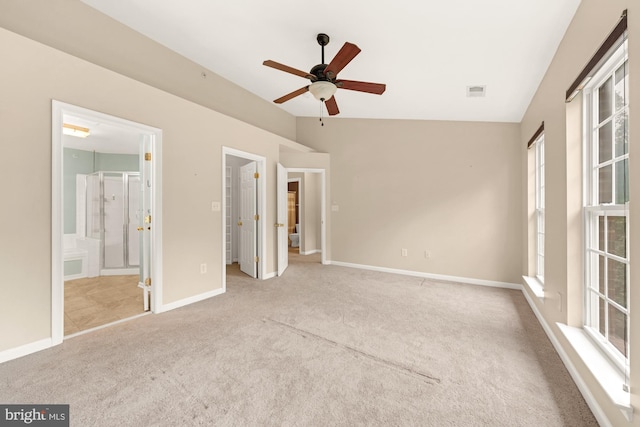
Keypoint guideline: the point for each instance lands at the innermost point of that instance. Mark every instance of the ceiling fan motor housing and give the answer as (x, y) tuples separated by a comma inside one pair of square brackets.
[(318, 71)]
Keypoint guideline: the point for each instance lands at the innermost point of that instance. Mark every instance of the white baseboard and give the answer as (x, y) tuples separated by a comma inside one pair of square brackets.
[(23, 350), (602, 418), (190, 300), (311, 252), (467, 280)]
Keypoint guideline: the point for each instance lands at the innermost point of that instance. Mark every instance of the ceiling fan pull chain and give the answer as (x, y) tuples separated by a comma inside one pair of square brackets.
[(321, 111)]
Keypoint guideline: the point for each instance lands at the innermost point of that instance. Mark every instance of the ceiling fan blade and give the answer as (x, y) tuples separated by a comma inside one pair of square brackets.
[(344, 56), (332, 106), (377, 88), (292, 95), (287, 69)]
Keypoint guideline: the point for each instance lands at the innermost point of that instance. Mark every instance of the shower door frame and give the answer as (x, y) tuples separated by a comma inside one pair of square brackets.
[(125, 226)]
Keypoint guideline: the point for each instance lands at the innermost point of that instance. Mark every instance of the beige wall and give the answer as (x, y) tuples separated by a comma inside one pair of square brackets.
[(31, 76), (563, 162), (75, 28), (449, 188)]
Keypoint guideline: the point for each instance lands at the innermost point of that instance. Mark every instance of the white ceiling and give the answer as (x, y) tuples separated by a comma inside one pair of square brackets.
[(426, 51)]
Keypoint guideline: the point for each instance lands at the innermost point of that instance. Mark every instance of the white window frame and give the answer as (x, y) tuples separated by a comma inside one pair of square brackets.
[(540, 200), (593, 210)]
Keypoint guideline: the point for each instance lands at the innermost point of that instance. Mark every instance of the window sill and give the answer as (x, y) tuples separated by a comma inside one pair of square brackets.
[(535, 286), (603, 370)]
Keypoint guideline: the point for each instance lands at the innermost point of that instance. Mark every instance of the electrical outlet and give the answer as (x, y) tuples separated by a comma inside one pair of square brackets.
[(427, 254), (404, 252), (203, 268), (215, 206)]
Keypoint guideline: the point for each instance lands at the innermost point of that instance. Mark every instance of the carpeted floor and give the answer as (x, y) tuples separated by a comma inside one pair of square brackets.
[(322, 345)]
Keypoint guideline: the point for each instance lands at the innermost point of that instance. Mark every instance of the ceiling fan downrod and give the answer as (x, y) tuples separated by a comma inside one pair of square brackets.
[(323, 40)]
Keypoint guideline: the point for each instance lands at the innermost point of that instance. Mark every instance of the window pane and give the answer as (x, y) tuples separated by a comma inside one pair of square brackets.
[(617, 235), (622, 182), (604, 98), (604, 185), (621, 86), (601, 271), (617, 284), (601, 311), (618, 329), (622, 133), (604, 142), (601, 233)]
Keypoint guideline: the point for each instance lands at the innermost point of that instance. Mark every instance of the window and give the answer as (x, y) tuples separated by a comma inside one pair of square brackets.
[(606, 211), (539, 144)]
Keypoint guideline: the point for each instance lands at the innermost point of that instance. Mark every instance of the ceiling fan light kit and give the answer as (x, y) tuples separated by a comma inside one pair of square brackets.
[(322, 90), (324, 77)]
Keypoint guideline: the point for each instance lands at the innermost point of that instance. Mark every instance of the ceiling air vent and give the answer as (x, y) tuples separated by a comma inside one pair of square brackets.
[(476, 91)]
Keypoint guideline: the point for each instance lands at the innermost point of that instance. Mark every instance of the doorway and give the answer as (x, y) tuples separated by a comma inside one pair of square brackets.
[(302, 195), (243, 219), (106, 263)]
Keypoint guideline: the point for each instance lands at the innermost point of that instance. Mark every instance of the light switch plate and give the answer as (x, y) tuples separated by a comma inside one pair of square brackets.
[(335, 208)]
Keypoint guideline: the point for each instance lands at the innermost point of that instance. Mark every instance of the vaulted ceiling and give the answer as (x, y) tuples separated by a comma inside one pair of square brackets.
[(426, 51)]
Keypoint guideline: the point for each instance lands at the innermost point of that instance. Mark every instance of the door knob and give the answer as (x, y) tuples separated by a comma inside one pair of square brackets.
[(140, 228), (239, 223)]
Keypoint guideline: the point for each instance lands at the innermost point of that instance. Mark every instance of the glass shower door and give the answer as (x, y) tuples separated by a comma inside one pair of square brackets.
[(113, 216)]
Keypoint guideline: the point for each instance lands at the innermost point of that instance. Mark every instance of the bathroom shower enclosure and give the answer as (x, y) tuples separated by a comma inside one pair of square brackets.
[(113, 216)]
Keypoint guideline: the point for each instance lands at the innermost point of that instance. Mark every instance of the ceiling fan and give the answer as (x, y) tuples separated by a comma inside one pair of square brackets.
[(324, 78)]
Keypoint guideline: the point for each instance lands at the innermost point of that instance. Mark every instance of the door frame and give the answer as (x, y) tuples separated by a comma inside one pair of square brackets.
[(261, 200), (323, 205), (58, 111)]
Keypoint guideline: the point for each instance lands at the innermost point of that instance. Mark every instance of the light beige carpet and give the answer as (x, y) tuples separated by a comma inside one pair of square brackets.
[(322, 345)]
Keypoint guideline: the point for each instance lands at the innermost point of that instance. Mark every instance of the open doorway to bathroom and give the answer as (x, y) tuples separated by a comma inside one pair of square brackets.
[(293, 214), (305, 215), (102, 269)]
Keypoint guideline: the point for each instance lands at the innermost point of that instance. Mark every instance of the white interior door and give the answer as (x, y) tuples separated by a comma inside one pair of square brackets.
[(281, 219), (248, 219), (145, 219)]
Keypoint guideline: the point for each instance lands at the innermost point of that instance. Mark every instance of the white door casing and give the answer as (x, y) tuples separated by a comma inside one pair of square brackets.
[(281, 219), (248, 222), (59, 111)]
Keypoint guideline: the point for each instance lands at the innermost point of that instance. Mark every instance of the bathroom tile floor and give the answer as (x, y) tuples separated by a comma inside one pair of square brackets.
[(96, 301)]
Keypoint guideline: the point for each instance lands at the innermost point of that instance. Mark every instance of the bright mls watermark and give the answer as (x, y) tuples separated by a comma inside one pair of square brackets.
[(34, 415)]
